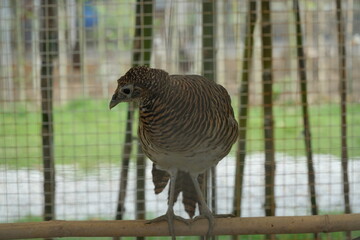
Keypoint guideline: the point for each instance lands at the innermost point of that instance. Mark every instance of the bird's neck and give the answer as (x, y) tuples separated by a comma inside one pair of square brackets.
[(149, 103), (154, 97)]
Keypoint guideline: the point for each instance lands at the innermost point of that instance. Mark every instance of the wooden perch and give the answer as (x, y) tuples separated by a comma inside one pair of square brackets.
[(223, 226)]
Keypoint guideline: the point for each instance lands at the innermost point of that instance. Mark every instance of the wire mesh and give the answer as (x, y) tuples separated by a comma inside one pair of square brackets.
[(70, 69)]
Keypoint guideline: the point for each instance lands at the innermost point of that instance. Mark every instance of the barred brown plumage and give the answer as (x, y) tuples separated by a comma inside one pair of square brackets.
[(186, 126)]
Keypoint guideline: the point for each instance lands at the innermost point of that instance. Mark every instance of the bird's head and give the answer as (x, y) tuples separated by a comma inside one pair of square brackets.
[(137, 83)]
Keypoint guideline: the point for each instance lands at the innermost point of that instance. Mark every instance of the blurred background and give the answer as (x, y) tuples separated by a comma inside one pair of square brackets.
[(291, 68)]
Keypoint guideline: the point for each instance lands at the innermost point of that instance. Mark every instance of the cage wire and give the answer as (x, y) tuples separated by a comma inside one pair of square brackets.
[(65, 156)]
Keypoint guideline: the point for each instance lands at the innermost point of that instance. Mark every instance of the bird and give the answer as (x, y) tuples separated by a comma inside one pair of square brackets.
[(186, 126)]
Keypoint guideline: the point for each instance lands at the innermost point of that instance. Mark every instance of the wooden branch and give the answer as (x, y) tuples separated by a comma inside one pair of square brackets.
[(223, 226)]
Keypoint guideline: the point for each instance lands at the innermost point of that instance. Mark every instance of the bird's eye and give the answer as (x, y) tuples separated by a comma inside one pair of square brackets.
[(126, 90)]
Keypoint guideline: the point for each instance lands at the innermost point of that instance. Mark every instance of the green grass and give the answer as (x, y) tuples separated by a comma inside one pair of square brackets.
[(87, 133), (325, 130)]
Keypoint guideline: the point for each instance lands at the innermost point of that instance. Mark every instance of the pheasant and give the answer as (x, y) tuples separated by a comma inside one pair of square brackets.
[(186, 126)]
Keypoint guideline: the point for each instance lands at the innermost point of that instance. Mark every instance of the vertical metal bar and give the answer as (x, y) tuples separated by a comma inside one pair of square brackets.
[(48, 50), (142, 55), (20, 52), (343, 96), (305, 109), (208, 39), (243, 105), (142, 48), (267, 84), (209, 71)]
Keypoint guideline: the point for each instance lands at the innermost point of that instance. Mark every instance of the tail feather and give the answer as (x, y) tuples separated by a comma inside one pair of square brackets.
[(183, 184), (160, 179), (189, 194)]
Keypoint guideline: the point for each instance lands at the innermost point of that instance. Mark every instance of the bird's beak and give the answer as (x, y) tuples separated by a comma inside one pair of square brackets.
[(114, 101)]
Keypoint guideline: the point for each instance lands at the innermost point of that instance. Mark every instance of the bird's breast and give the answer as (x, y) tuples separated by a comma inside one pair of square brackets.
[(187, 144)]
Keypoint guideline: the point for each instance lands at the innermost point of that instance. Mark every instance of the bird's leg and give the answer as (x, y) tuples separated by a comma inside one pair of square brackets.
[(204, 209), (169, 215)]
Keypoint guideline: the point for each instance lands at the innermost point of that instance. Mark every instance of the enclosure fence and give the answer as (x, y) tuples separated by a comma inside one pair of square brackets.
[(70, 167)]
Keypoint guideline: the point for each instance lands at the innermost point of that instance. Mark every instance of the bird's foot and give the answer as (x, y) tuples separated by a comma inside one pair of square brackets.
[(165, 217), (169, 217), (211, 219), (213, 215)]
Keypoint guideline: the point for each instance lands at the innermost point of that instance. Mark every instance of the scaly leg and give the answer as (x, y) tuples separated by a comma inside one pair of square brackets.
[(170, 216), (204, 209)]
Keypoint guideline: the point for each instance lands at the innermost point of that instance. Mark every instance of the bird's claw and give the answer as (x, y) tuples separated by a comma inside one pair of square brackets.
[(211, 218), (166, 218), (169, 217), (158, 219), (183, 220)]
